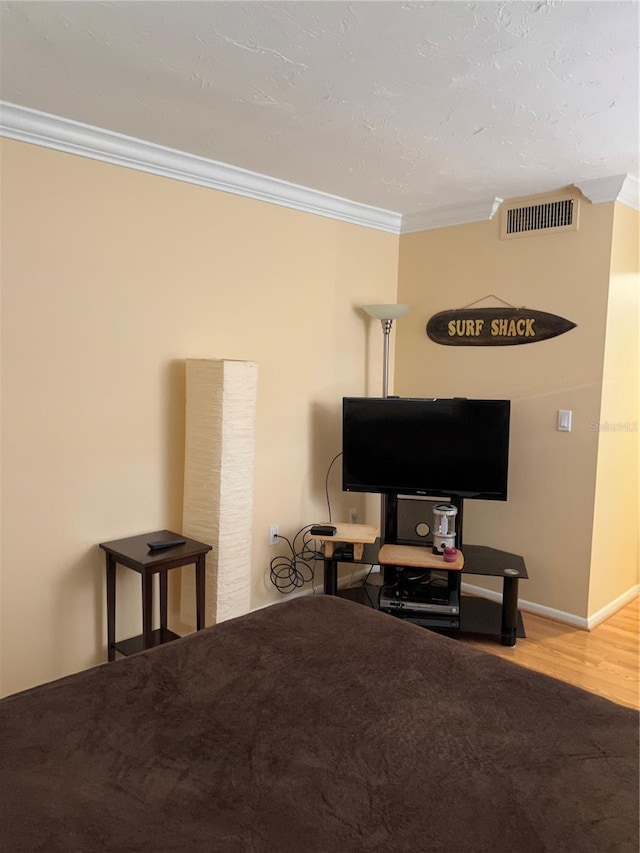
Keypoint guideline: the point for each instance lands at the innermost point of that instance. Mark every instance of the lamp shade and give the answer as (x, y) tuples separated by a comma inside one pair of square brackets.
[(220, 426), (386, 312)]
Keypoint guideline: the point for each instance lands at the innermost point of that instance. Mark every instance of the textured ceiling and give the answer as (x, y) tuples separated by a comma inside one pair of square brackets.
[(403, 106)]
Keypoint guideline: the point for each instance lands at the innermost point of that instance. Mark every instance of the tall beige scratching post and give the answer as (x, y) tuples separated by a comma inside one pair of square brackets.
[(218, 482)]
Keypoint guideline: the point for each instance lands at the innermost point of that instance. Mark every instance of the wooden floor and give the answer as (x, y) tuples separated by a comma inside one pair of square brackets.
[(604, 661)]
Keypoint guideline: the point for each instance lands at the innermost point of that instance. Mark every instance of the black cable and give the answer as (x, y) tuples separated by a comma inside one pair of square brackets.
[(364, 586), (288, 573), (366, 577), (411, 579), (326, 482)]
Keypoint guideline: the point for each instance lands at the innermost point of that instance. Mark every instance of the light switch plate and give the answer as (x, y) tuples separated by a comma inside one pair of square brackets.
[(564, 420)]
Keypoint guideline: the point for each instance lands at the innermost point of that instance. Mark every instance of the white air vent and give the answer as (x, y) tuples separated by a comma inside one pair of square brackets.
[(523, 217)]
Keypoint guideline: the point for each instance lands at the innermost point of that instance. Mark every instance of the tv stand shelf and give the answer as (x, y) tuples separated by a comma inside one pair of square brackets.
[(481, 616)]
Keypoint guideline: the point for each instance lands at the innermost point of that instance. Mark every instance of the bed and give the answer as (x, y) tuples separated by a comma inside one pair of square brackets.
[(313, 726)]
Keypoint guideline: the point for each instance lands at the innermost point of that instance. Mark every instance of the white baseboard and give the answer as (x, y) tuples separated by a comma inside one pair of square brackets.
[(560, 615), (613, 607)]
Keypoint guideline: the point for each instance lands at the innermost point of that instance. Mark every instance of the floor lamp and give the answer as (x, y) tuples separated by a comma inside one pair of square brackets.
[(386, 314)]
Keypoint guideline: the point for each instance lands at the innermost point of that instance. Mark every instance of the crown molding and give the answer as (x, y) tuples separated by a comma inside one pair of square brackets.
[(72, 137), (622, 188), (455, 214), (630, 193)]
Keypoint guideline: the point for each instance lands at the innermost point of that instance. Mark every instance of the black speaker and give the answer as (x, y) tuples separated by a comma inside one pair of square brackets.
[(415, 520)]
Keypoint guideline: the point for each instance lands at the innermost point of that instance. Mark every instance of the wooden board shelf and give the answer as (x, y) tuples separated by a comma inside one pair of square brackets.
[(417, 557), (357, 535)]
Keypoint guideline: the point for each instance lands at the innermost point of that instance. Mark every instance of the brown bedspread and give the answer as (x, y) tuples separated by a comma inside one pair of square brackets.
[(316, 726)]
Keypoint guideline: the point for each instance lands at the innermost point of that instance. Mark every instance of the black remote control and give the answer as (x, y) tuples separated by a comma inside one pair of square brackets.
[(323, 530), (165, 543)]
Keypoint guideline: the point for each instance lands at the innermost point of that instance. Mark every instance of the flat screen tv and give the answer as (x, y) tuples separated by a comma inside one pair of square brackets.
[(441, 447)]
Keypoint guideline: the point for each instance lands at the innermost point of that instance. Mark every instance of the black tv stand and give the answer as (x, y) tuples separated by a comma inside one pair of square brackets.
[(389, 531), (477, 615), (481, 616)]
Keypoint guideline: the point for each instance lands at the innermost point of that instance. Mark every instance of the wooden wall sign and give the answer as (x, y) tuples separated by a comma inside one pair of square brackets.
[(494, 327)]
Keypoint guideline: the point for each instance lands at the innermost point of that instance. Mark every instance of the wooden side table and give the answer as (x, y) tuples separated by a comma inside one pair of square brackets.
[(134, 553)]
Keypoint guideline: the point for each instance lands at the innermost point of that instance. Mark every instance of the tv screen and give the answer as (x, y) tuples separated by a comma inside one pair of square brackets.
[(440, 447)]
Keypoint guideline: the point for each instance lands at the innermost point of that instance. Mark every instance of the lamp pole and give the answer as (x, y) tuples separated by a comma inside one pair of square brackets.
[(386, 331), (386, 314)]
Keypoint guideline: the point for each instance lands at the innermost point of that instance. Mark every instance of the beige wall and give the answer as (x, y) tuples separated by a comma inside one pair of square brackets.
[(111, 279), (614, 561), (548, 517)]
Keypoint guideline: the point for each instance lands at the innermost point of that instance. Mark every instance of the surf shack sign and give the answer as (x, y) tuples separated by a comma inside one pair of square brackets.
[(495, 327)]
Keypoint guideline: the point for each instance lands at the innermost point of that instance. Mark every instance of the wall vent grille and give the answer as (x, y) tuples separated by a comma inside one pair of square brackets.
[(520, 219)]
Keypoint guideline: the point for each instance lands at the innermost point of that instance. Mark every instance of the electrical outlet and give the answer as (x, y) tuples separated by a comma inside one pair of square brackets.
[(353, 515), (274, 534)]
